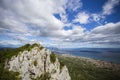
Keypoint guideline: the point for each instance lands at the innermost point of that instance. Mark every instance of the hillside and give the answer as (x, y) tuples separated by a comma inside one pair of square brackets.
[(34, 62), (31, 62), (82, 68)]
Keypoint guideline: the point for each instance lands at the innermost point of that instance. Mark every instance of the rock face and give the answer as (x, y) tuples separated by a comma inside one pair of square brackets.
[(38, 64)]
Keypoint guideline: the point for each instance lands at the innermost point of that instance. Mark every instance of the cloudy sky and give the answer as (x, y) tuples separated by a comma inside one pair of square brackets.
[(60, 23)]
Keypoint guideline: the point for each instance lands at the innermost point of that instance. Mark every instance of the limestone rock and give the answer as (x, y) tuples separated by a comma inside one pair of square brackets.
[(38, 63)]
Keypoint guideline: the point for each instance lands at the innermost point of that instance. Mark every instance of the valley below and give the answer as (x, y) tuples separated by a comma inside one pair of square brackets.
[(81, 68)]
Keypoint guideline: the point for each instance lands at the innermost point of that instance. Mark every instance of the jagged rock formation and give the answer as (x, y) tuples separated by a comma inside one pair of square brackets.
[(38, 63)]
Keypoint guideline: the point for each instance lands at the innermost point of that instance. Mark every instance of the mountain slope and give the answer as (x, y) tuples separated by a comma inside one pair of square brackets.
[(81, 68), (34, 62)]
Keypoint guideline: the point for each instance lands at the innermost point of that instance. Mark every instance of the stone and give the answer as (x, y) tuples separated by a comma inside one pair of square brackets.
[(36, 62)]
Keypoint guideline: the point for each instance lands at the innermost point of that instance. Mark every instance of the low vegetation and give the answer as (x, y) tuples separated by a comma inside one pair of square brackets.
[(5, 74), (36, 45), (45, 76), (8, 75), (35, 63), (61, 65), (52, 57), (81, 69)]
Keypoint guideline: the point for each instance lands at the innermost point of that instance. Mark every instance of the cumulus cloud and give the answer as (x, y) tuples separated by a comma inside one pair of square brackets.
[(97, 17), (23, 12), (82, 18), (107, 29), (27, 20), (35, 17), (105, 34), (107, 9), (102, 36), (109, 6), (9, 43), (73, 5)]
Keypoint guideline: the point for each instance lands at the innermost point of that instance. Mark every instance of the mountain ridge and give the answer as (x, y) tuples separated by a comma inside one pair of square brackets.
[(53, 67), (34, 62)]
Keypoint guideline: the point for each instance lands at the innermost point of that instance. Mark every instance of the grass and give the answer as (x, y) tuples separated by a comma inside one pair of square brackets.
[(82, 70)]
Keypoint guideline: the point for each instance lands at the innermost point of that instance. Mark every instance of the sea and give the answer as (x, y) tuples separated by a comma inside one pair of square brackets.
[(104, 54)]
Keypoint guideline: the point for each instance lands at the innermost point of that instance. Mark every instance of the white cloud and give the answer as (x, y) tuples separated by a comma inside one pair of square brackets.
[(82, 18), (16, 16), (96, 17), (73, 5), (22, 19), (104, 35), (107, 9), (68, 35), (63, 18), (10, 43), (107, 29), (109, 6)]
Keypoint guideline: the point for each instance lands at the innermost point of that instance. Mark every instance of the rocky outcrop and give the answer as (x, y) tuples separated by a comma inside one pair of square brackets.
[(38, 63)]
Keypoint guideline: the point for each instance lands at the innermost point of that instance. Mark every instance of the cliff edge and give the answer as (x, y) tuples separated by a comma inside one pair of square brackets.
[(37, 63)]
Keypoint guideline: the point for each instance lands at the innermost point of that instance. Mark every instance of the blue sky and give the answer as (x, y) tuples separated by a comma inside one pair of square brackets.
[(60, 23)]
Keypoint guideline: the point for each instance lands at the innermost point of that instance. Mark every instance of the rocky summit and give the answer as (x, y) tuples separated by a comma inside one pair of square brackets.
[(37, 63)]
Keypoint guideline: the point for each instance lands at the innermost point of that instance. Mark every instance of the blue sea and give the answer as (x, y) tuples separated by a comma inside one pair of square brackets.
[(104, 54)]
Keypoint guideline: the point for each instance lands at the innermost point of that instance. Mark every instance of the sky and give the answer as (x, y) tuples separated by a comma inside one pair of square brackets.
[(60, 23)]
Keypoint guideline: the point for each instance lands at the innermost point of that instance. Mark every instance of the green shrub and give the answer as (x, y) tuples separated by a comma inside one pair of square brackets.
[(5, 74), (35, 63), (53, 71), (45, 76), (52, 57), (29, 47), (37, 45), (61, 65)]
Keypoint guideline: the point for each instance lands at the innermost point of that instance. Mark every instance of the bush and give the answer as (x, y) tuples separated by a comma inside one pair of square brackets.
[(52, 57), (45, 76), (61, 65), (35, 63)]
